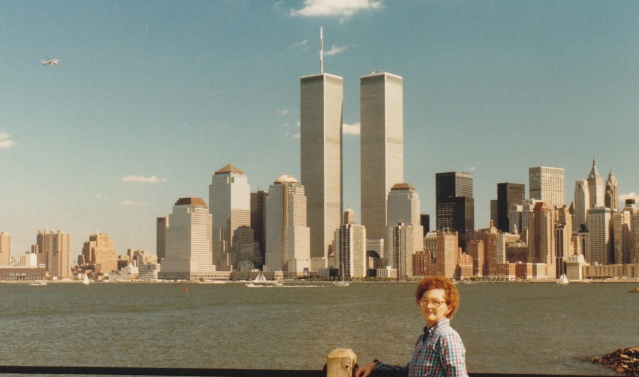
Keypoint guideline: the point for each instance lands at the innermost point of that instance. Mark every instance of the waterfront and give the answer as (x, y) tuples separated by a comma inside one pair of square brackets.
[(506, 327)]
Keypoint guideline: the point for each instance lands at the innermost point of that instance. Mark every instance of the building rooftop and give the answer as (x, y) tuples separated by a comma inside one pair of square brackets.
[(286, 179), (190, 202), (230, 168), (403, 186)]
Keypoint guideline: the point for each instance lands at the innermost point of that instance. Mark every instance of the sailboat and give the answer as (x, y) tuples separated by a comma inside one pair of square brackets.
[(86, 280), (258, 281), (563, 280)]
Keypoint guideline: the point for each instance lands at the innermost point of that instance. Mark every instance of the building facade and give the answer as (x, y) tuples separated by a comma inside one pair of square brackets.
[(321, 104), (230, 206), (99, 254), (381, 146), (5, 249), (507, 195), (287, 236), (403, 207), (399, 248), (161, 224), (54, 251), (350, 251), (581, 205), (188, 242), (455, 206), (596, 187), (547, 185)]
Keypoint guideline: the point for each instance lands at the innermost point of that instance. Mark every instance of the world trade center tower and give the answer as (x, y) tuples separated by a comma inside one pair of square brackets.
[(381, 146), (321, 98)]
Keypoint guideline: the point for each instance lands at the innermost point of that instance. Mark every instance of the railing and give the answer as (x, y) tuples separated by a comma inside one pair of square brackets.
[(340, 363)]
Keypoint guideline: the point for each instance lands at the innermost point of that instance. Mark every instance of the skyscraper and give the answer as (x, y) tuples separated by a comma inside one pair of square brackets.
[(596, 187), (403, 207), (399, 248), (455, 206), (230, 205), (381, 146), (54, 250), (160, 237), (258, 219), (99, 253), (582, 204), (287, 236), (508, 194), (5, 249), (547, 184), (541, 240), (321, 104), (350, 248), (599, 249), (612, 195), (188, 241)]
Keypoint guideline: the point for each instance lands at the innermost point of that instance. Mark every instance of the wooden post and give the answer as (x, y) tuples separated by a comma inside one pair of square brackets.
[(341, 363)]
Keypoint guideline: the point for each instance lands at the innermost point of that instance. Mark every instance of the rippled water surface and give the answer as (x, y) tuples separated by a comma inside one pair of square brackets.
[(506, 327)]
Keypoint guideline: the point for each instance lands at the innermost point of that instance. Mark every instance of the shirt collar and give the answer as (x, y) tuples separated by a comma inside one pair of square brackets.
[(428, 330)]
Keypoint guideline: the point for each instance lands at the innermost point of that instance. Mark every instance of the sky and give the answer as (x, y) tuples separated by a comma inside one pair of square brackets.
[(150, 98)]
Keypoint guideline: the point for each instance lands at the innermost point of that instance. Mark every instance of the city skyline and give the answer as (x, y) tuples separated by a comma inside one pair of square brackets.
[(147, 100)]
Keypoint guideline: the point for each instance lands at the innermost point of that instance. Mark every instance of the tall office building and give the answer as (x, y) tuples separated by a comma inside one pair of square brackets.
[(258, 220), (99, 253), (541, 240), (547, 184), (161, 224), (455, 206), (447, 250), (403, 207), (612, 192), (581, 204), (287, 236), (230, 205), (381, 146), (399, 248), (599, 249), (350, 249), (596, 187), (188, 241), (54, 250), (508, 194), (5, 249), (321, 105)]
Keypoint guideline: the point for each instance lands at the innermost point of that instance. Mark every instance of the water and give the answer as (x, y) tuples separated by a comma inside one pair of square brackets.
[(506, 327)]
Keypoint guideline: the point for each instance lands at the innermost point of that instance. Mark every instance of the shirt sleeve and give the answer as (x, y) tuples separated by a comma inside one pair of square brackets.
[(453, 355), (400, 370)]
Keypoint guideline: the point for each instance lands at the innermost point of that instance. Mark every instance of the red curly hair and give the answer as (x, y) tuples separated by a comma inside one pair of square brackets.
[(440, 282)]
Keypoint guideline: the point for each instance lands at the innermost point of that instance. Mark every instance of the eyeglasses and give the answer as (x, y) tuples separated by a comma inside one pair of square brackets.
[(434, 303)]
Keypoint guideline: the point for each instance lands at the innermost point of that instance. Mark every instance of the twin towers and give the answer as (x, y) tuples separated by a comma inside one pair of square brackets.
[(381, 152)]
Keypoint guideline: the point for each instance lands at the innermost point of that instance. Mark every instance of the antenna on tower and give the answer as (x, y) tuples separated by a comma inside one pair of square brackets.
[(321, 50)]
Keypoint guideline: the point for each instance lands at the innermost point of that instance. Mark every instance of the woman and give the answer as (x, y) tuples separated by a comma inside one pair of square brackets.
[(439, 351)]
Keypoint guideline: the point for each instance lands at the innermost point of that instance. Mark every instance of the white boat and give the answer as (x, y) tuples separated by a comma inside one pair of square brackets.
[(86, 280), (341, 283), (259, 281), (563, 280), (39, 283)]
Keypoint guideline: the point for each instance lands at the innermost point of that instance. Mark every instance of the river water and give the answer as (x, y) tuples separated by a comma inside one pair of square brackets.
[(506, 327)]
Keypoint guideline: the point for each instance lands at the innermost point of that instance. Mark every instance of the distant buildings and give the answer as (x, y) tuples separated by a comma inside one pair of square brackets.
[(404, 208), (507, 195), (350, 248), (54, 251), (188, 242), (98, 254), (5, 249), (161, 224)]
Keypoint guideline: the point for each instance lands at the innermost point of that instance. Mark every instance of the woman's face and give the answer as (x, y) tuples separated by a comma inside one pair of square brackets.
[(433, 305)]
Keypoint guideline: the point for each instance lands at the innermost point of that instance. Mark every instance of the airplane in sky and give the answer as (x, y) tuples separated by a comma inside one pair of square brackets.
[(51, 62)]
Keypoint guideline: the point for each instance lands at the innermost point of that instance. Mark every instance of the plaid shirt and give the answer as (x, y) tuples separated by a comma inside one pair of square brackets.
[(439, 352)]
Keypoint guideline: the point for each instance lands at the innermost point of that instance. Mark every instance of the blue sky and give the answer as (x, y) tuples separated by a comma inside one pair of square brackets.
[(150, 98)]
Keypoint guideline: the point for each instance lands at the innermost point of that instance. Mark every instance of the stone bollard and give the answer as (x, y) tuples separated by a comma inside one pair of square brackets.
[(341, 363)]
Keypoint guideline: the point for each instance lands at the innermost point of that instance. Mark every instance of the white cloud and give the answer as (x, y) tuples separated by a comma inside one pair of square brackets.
[(133, 203), (6, 141), (338, 8), (335, 50), (302, 44), (142, 179), (351, 129), (282, 112)]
